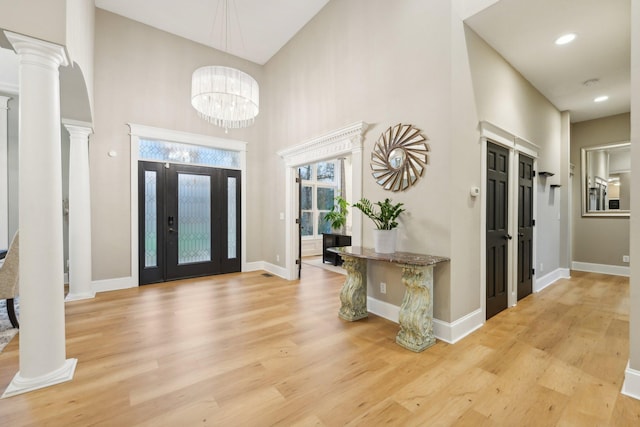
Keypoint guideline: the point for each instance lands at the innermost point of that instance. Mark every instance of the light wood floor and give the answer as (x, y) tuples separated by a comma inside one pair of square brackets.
[(250, 350)]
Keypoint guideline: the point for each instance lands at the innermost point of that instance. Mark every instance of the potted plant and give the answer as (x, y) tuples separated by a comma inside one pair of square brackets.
[(337, 216), (385, 234)]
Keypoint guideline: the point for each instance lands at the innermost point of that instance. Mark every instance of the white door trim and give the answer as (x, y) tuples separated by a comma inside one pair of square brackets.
[(141, 131), (344, 141), (516, 145)]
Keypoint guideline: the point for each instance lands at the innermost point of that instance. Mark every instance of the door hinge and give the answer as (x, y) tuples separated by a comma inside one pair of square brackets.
[(533, 271), (533, 222), (534, 174), (297, 262), (297, 220), (297, 180)]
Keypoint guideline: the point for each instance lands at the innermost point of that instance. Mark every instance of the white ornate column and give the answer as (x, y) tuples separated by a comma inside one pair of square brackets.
[(4, 171), (42, 333), (79, 213)]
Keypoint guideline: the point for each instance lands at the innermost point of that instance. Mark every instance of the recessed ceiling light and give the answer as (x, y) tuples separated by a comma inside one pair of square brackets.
[(564, 39), (601, 98)]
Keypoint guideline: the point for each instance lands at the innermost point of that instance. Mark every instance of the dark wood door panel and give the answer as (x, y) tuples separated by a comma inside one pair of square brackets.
[(497, 229)]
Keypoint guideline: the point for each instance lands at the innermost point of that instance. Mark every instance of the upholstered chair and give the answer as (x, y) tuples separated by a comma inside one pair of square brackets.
[(9, 280)]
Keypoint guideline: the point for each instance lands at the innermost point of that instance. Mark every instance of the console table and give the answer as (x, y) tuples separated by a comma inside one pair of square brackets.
[(416, 311)]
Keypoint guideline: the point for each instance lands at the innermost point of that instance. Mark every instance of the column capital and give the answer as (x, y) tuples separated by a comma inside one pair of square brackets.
[(38, 51), (76, 128)]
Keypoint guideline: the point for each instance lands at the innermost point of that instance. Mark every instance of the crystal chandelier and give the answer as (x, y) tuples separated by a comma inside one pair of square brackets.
[(225, 96)]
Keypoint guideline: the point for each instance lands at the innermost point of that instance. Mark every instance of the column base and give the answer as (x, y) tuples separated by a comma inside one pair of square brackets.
[(413, 346), (79, 296), (20, 385)]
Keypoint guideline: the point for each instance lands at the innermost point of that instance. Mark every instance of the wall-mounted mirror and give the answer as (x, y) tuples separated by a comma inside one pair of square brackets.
[(399, 157), (606, 171)]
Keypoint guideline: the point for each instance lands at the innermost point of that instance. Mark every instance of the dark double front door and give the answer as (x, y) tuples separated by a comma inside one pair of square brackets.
[(189, 221), (497, 232)]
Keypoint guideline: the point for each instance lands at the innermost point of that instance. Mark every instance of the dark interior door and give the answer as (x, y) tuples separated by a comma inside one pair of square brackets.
[(497, 228), (189, 222), (299, 222), (525, 226)]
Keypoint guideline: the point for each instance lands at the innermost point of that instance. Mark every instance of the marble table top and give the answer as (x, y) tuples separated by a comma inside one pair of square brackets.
[(406, 258)]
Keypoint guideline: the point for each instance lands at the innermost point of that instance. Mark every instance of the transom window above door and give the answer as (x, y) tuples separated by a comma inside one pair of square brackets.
[(320, 186), (179, 153)]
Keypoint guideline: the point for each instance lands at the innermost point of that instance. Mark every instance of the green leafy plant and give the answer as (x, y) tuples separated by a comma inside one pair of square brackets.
[(337, 216), (385, 218)]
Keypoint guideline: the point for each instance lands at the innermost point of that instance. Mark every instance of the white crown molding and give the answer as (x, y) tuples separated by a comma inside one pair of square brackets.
[(345, 141)]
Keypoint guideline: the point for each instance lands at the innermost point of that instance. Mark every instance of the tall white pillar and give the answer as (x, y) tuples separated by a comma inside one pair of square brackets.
[(42, 334), (4, 172), (79, 214)]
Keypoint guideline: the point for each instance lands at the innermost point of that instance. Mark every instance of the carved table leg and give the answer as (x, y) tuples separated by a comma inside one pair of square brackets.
[(416, 311), (353, 295)]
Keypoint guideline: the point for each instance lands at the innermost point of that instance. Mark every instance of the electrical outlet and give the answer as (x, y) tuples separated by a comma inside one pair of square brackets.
[(383, 288), (541, 267), (625, 258)]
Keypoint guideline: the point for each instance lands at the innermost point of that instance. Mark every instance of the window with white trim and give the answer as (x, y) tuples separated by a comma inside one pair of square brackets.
[(320, 186)]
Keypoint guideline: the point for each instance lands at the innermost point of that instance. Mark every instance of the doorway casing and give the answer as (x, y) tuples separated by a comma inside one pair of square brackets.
[(516, 145), (141, 131), (346, 141)]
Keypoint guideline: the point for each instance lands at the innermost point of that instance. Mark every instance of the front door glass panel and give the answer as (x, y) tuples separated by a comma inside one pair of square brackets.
[(194, 218)]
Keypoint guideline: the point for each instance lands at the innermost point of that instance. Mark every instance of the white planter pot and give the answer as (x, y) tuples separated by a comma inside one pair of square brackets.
[(384, 241)]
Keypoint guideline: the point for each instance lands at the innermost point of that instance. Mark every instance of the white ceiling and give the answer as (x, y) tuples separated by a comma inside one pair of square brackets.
[(524, 31), (257, 29)]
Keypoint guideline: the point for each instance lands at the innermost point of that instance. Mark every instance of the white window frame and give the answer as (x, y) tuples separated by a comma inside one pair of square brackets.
[(315, 184)]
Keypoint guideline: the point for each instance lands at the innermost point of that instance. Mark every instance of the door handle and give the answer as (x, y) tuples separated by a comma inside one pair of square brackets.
[(507, 237), (520, 234), (171, 230)]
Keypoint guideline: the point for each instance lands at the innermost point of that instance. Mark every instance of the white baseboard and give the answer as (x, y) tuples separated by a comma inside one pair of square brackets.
[(458, 329), (551, 278), (267, 266), (444, 331), (254, 266), (114, 284), (383, 309), (631, 385), (615, 270), (131, 282)]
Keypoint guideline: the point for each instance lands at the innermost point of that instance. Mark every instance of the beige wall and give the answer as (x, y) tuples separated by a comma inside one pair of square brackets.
[(597, 240), (143, 76), (383, 63), (338, 70), (42, 19), (504, 98)]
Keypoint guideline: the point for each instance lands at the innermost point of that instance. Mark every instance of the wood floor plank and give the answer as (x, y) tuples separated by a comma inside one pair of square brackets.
[(251, 350)]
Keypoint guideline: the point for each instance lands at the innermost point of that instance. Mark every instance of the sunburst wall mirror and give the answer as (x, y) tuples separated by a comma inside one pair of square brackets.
[(399, 157)]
